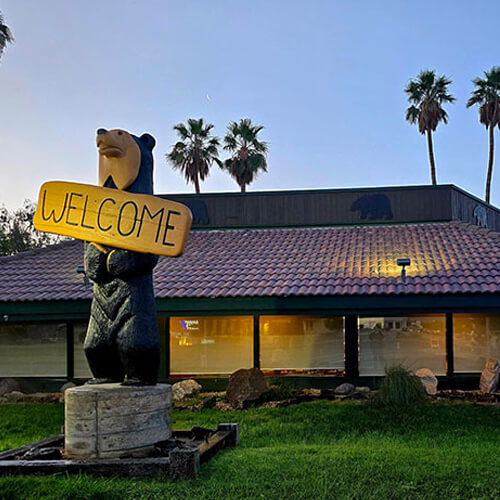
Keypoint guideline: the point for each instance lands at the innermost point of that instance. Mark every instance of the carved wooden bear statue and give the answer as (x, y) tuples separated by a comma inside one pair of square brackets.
[(122, 343)]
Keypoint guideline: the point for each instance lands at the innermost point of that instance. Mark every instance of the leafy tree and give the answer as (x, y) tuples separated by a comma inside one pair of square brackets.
[(427, 94), (248, 153), (5, 35), (17, 233), (195, 153), (487, 96)]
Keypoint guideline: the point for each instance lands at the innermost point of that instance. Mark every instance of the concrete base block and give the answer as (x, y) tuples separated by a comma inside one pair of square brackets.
[(112, 420)]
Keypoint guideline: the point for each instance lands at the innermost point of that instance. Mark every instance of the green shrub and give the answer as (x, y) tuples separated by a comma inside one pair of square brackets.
[(284, 389), (400, 388)]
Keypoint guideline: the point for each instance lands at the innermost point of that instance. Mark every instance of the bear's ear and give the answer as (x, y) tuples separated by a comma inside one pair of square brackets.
[(148, 140)]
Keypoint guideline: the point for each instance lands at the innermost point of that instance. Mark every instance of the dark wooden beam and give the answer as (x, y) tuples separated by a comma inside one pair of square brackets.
[(351, 346), (167, 347), (256, 341), (450, 361)]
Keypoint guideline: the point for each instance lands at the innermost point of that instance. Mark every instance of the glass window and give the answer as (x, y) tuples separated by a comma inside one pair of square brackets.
[(81, 369), (412, 341), (476, 338), (30, 349), (210, 344), (301, 343)]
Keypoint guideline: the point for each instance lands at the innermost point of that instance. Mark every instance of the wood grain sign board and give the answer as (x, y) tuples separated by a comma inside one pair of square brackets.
[(138, 222)]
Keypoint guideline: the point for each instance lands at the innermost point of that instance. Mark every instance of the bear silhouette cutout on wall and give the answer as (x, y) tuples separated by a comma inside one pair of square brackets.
[(373, 207), (122, 342), (199, 210)]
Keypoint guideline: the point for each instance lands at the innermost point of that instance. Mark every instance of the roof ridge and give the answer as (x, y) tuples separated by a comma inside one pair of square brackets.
[(326, 227)]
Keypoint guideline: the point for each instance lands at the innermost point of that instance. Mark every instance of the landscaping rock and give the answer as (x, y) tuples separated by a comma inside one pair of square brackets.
[(185, 388), (49, 453), (428, 379), (42, 397), (363, 389), (247, 387), (316, 393), (64, 387), (67, 385), (208, 402), (13, 397), (345, 389), (223, 406), (489, 378), (37, 397), (8, 385)]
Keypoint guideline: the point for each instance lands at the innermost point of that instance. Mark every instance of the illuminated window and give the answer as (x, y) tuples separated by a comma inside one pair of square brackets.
[(28, 350), (476, 338), (412, 341), (210, 345), (301, 343)]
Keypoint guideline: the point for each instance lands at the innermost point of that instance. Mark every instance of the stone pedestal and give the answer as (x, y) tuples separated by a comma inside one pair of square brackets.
[(111, 420)]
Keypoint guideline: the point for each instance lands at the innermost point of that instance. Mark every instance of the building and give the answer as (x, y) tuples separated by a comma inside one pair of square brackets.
[(298, 283)]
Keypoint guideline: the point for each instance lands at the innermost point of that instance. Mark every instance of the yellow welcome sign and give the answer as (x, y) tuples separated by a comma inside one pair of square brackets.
[(138, 222)]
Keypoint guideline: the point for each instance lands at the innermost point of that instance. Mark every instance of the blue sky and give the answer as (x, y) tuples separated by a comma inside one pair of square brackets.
[(325, 78)]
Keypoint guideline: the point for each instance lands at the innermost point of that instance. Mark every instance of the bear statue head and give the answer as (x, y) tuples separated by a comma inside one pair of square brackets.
[(125, 160)]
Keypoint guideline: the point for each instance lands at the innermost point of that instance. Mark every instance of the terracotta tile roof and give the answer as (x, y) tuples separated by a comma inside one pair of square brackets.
[(446, 258)]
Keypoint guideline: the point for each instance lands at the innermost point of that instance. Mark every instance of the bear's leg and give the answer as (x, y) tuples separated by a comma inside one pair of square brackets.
[(102, 354), (139, 347)]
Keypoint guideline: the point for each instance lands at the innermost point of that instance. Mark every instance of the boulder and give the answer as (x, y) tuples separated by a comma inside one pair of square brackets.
[(64, 387), (8, 385), (13, 397), (185, 388), (345, 389), (247, 387), (428, 379), (489, 377), (67, 385)]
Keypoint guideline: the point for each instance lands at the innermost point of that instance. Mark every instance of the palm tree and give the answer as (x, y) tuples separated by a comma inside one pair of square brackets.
[(249, 154), (487, 96), (5, 35), (194, 154), (426, 94)]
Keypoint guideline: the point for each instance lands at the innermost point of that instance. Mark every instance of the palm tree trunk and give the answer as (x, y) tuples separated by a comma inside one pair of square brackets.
[(489, 173), (197, 184), (431, 157), (243, 187)]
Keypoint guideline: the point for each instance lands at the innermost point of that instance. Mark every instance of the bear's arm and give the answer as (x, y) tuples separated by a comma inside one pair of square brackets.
[(94, 261), (125, 264)]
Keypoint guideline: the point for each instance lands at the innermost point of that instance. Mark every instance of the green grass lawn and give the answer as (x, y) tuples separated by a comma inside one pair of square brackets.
[(313, 450)]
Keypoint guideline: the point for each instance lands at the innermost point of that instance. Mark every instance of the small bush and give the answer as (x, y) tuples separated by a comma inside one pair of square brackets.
[(400, 388), (284, 389)]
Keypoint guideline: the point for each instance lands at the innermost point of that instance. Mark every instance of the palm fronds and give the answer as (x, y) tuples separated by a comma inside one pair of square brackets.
[(5, 35), (248, 152), (195, 152)]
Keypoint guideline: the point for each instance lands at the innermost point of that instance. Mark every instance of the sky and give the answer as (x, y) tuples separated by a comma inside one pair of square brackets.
[(325, 78)]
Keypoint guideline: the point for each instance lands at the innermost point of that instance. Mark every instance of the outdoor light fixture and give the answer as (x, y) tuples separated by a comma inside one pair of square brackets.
[(81, 270), (403, 263)]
